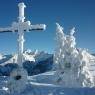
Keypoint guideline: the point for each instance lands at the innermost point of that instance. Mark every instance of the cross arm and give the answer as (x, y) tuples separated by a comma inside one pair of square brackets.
[(37, 27), (26, 26), (8, 29)]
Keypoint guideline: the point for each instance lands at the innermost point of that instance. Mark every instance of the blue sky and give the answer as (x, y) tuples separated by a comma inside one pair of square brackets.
[(69, 13)]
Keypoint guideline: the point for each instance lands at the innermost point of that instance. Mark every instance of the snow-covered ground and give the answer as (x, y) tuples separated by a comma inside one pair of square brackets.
[(42, 84)]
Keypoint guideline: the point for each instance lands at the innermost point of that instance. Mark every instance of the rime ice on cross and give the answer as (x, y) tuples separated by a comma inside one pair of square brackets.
[(21, 26)]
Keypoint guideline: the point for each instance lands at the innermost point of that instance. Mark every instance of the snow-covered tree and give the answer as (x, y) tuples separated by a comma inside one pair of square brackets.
[(72, 63), (58, 55)]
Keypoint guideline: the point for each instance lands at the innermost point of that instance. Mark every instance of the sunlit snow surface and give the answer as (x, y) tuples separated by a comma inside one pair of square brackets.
[(43, 84)]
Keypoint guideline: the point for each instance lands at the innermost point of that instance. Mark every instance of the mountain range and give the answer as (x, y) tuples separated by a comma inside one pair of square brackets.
[(34, 62)]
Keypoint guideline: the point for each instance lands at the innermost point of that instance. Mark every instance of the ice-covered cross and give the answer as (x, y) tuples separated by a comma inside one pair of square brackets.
[(21, 26)]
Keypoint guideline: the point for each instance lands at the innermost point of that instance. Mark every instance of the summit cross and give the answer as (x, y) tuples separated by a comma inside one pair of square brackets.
[(22, 26)]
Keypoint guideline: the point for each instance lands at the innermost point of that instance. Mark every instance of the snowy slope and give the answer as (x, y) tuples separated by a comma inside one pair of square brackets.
[(42, 85)]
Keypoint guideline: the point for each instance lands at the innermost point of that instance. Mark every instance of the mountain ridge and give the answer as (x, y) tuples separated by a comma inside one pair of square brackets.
[(34, 62)]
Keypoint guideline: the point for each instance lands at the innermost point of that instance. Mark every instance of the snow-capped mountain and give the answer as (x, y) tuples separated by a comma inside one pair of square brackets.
[(1, 56), (34, 62)]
